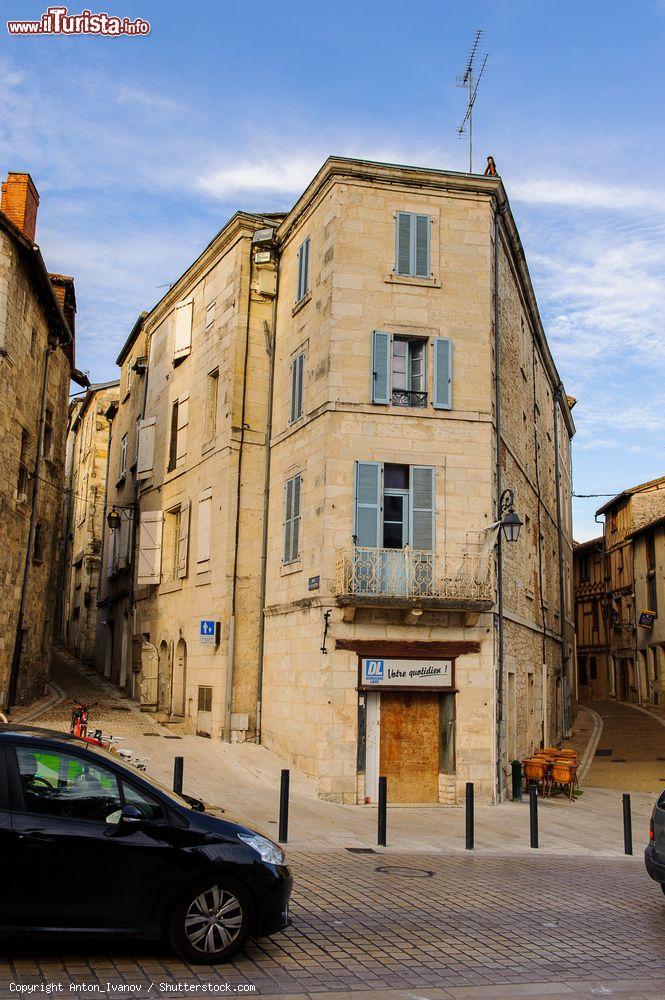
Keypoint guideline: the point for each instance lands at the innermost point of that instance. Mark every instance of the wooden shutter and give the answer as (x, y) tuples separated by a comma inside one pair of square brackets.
[(150, 547), (368, 504), (204, 525), (381, 367), (422, 507), (183, 419), (146, 449), (182, 338), (443, 373), (421, 246), (403, 243), (183, 540)]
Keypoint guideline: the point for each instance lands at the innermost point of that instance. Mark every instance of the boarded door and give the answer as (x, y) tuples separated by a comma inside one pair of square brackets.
[(409, 746)]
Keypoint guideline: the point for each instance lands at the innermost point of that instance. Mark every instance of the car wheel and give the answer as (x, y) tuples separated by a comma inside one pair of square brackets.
[(211, 922)]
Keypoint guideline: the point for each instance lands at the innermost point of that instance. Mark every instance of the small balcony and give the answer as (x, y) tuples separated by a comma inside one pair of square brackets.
[(407, 397), (414, 579)]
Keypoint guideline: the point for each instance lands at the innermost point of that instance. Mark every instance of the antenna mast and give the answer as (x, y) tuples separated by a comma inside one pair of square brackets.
[(466, 81)]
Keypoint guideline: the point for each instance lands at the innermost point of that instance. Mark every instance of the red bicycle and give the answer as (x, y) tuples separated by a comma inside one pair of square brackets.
[(79, 723)]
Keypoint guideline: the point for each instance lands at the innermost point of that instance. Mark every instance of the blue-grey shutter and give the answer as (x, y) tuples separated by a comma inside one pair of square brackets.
[(403, 242), (295, 531), (303, 270), (368, 504), (443, 373), (297, 379), (305, 283), (300, 383), (421, 246), (422, 507), (380, 367), (288, 520)]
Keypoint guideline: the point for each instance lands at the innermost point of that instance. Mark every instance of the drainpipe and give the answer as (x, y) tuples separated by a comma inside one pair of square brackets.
[(271, 346), (557, 400), (131, 610), (16, 659), (499, 543), (234, 582)]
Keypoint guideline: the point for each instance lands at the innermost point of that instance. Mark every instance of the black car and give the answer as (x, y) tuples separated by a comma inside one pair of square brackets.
[(654, 855), (90, 845)]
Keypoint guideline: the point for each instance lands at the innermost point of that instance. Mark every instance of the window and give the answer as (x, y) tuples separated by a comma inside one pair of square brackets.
[(593, 668), (297, 379), (412, 251), (595, 618), (48, 434), (123, 454), (303, 270), (650, 540), (652, 592), (399, 371), (56, 784), (210, 316), (408, 372), (584, 568), (150, 547), (203, 530), (173, 440), (23, 474), (292, 519), (38, 545), (394, 506), (182, 337), (204, 703), (174, 522), (212, 395), (150, 808), (137, 437)]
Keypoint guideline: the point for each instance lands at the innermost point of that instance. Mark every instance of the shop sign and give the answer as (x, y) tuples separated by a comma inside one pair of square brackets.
[(398, 673), (647, 618)]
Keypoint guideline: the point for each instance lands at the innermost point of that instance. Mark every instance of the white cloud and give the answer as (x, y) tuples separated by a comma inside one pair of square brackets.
[(582, 193)]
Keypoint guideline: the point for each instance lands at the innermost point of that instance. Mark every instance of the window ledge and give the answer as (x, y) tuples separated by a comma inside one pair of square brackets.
[(302, 302), (203, 576), (121, 480), (405, 279), (208, 446), (292, 567)]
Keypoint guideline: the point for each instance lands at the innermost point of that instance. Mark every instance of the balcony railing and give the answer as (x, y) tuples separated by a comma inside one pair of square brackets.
[(412, 577), (407, 397)]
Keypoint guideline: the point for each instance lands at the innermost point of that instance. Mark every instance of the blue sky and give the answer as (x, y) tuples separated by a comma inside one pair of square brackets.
[(141, 148)]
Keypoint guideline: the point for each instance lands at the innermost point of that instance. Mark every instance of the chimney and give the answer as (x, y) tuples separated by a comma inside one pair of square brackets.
[(19, 203)]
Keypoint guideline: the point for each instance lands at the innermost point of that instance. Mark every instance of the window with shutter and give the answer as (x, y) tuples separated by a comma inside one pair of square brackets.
[(203, 529), (182, 337), (150, 547), (303, 270), (412, 245), (422, 507), (183, 540), (368, 504), (297, 386), (292, 519), (443, 373), (183, 419), (380, 385)]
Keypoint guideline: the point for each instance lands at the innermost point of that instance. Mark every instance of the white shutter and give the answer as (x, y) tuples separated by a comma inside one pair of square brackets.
[(422, 506), (146, 449), (150, 547), (183, 540), (182, 338), (183, 419), (203, 526)]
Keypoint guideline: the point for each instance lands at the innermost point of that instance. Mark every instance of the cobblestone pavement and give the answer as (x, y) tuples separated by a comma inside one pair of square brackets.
[(423, 925), (636, 742)]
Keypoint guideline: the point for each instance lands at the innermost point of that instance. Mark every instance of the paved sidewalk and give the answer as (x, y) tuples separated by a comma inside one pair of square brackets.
[(631, 752), (244, 779)]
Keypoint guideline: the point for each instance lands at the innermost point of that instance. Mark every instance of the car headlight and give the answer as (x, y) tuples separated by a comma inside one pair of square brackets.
[(268, 852)]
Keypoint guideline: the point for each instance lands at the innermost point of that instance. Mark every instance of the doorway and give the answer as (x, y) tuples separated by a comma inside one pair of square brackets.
[(180, 678), (409, 746), (164, 679)]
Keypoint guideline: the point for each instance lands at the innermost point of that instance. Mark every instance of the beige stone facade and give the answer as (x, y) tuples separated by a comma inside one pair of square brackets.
[(357, 337), (88, 448), (36, 357)]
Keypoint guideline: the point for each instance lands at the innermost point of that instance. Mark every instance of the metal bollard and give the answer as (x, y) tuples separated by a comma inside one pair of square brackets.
[(383, 802), (469, 815), (284, 806), (533, 814), (627, 826), (517, 780), (178, 771)]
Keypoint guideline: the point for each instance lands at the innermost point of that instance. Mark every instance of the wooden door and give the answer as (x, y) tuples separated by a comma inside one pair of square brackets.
[(409, 746)]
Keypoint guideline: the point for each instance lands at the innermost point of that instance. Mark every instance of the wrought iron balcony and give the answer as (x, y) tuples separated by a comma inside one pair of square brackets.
[(413, 578), (405, 397)]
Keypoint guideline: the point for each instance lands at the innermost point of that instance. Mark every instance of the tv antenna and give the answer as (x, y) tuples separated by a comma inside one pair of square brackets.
[(470, 82)]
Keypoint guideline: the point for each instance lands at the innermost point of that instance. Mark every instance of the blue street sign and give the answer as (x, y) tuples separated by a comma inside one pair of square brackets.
[(207, 631)]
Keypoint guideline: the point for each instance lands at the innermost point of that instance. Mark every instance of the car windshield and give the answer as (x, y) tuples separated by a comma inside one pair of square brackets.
[(132, 773)]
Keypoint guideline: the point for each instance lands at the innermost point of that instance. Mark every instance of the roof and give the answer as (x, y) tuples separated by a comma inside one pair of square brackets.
[(642, 530), (87, 399), (590, 542), (134, 332), (34, 262), (629, 492)]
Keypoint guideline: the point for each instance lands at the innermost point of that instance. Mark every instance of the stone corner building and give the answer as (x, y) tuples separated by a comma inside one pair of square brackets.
[(334, 402), (87, 463), (37, 313)]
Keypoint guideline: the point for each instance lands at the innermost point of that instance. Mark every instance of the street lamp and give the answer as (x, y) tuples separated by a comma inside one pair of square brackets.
[(113, 519), (510, 519)]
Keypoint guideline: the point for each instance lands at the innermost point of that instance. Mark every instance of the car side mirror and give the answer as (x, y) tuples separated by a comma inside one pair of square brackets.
[(130, 816)]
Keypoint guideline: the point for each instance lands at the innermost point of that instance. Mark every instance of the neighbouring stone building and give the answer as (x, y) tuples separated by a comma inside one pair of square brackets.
[(337, 402), (591, 620), (633, 557), (37, 313), (87, 459), (118, 653)]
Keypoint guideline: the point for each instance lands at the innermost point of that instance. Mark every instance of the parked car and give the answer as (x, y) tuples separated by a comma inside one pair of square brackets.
[(654, 855), (90, 845)]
